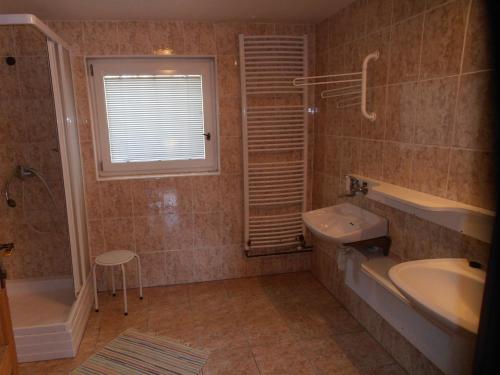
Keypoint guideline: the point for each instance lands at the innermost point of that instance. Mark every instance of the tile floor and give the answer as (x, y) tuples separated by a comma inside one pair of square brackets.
[(282, 324)]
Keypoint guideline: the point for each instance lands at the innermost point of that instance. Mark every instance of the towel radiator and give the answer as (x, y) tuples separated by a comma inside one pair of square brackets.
[(274, 142)]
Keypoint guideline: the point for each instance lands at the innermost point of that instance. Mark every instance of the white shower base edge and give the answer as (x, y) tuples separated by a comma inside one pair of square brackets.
[(48, 322)]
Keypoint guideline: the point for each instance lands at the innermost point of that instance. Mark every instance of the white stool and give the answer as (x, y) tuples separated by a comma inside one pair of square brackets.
[(116, 258)]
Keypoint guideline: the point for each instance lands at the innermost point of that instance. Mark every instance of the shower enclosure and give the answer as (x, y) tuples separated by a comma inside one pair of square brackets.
[(42, 207)]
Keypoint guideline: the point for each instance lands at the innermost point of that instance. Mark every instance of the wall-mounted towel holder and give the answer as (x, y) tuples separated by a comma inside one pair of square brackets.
[(352, 86)]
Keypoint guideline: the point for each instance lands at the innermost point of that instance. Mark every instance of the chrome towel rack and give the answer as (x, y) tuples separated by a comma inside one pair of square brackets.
[(352, 86)]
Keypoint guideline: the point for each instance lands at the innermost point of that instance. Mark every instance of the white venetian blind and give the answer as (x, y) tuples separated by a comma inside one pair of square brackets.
[(155, 117)]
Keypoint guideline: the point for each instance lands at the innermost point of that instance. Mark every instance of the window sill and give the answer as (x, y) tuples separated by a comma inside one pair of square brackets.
[(157, 176)]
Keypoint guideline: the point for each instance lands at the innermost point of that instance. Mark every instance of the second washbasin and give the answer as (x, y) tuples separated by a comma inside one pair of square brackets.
[(344, 223), (446, 290)]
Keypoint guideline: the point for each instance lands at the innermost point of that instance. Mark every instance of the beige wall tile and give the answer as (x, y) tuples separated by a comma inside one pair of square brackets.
[(116, 198), (401, 112), (199, 38), (230, 116), (471, 178), (435, 111), (350, 159), (29, 41), (338, 28), (34, 77), (96, 237), (153, 265), (319, 153), (231, 155), (39, 119), (371, 159), (406, 8), (179, 267), (119, 234), (356, 20), (167, 36), (207, 264), (208, 230), (100, 38), (405, 50), (177, 230), (351, 121), (372, 353), (397, 163), (429, 4), (443, 40), (228, 76), (429, 172), (158, 196), (378, 14), (231, 192), (332, 156), (226, 37), (474, 123), (333, 117), (12, 127), (477, 55), (206, 193), (149, 233), (133, 38), (232, 227), (261, 28), (6, 41), (8, 76)]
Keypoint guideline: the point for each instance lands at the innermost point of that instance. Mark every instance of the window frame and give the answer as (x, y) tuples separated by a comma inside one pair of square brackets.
[(205, 66)]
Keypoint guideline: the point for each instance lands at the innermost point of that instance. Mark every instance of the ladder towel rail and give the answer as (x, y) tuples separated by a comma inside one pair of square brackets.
[(274, 142)]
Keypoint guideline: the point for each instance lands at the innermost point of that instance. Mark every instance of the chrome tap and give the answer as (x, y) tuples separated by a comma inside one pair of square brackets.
[(356, 186)]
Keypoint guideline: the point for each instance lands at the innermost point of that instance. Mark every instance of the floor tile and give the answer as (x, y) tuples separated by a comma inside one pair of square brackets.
[(271, 325)]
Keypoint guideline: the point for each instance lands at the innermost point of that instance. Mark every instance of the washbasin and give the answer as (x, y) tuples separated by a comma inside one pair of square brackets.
[(448, 291), (344, 223)]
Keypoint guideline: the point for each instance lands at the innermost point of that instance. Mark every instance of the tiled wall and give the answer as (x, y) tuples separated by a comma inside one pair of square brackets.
[(431, 91), (28, 136), (189, 228)]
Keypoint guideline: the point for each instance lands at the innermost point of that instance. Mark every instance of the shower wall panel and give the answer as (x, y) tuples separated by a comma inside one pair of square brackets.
[(38, 225)]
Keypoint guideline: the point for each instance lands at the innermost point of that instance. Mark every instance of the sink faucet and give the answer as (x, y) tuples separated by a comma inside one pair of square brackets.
[(356, 186)]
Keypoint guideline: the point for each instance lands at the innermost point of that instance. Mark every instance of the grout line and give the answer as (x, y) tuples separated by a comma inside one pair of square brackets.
[(419, 144), (457, 93), (421, 49)]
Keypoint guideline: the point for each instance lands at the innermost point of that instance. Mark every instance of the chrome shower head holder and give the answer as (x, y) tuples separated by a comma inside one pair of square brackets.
[(22, 172)]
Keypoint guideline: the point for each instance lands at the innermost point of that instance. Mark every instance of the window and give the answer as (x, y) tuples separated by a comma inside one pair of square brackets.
[(154, 116)]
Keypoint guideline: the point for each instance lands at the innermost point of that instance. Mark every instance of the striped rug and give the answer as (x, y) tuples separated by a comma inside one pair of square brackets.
[(134, 353)]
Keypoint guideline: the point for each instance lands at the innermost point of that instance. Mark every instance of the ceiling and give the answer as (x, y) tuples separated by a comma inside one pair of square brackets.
[(213, 10)]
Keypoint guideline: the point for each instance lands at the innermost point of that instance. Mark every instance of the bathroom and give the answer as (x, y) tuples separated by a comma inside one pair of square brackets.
[(384, 107)]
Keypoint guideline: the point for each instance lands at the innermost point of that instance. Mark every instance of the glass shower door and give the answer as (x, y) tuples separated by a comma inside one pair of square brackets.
[(60, 66)]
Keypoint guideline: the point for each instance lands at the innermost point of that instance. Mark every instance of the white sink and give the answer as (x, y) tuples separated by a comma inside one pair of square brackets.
[(345, 223), (448, 291)]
